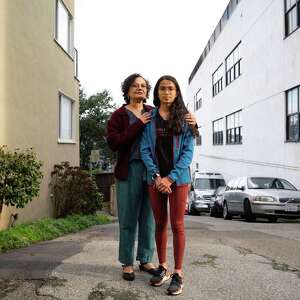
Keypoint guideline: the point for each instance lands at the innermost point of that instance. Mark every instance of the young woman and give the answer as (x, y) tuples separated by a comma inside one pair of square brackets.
[(167, 150)]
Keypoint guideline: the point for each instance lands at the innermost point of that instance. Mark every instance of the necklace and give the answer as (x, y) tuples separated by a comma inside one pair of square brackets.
[(135, 111)]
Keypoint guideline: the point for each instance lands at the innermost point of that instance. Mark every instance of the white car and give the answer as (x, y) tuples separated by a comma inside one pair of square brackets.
[(267, 197), (203, 187)]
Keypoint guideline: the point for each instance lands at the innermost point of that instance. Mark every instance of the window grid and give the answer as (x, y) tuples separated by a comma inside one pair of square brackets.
[(198, 100), (234, 128), (218, 127), (292, 16), (198, 141), (199, 138), (233, 65), (293, 115), (217, 79)]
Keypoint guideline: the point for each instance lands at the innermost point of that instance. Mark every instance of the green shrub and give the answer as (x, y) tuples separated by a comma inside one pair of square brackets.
[(74, 191), (20, 177)]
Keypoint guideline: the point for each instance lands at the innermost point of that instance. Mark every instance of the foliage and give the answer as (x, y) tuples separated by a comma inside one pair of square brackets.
[(20, 176), (46, 229), (74, 191), (94, 112)]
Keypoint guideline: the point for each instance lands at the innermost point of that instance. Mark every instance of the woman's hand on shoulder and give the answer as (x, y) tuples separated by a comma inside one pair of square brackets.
[(145, 117)]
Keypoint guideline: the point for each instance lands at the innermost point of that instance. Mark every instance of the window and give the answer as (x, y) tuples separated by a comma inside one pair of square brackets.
[(293, 114), (76, 62), (217, 80), (199, 138), (64, 27), (233, 68), (218, 128), (198, 100), (234, 128), (292, 16), (66, 133)]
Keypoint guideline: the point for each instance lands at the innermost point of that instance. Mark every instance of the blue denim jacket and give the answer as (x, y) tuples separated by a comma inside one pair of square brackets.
[(183, 148)]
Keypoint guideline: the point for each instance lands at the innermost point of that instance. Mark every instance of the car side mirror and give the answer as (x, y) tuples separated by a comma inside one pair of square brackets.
[(192, 188), (242, 188)]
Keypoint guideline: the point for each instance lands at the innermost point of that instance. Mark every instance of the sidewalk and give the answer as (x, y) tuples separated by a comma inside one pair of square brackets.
[(84, 266)]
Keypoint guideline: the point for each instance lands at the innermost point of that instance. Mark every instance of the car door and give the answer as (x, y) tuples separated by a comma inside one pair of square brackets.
[(228, 195), (234, 202), (240, 195)]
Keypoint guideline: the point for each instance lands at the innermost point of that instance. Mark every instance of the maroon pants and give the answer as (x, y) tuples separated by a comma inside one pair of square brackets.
[(177, 201)]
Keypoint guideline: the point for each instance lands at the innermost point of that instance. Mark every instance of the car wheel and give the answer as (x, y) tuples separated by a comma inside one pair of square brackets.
[(192, 210), (219, 212), (226, 214), (212, 211), (248, 215), (272, 219)]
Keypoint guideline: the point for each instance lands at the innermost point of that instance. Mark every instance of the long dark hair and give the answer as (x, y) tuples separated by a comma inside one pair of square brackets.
[(177, 109), (128, 82)]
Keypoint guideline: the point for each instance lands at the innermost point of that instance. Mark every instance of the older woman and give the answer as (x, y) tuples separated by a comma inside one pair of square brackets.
[(123, 135)]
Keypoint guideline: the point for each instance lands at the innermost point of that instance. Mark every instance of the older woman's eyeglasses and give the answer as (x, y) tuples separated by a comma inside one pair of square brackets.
[(139, 86)]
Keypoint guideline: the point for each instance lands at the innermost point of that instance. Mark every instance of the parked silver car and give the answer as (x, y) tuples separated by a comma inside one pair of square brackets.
[(266, 197)]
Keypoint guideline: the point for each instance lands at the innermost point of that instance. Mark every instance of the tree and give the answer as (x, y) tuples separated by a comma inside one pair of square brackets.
[(94, 112)]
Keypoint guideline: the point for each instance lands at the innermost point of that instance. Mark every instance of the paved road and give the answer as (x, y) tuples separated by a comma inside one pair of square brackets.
[(224, 260)]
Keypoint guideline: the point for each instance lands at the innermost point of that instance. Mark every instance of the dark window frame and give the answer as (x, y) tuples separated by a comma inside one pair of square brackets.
[(199, 138), (218, 136), (217, 86), (234, 71), (234, 134), (197, 102), (290, 115), (287, 12)]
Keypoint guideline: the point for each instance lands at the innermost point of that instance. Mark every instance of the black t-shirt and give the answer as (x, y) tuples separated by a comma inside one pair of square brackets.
[(164, 146)]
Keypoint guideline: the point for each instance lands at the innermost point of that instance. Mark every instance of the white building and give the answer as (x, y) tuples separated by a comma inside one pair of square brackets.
[(245, 91)]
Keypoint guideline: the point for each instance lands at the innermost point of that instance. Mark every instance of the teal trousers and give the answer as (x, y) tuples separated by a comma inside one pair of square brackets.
[(135, 212)]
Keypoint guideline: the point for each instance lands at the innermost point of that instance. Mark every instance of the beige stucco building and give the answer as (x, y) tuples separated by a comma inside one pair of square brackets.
[(39, 103)]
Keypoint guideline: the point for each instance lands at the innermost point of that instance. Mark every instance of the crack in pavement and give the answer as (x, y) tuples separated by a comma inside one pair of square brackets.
[(206, 260), (102, 292), (9, 286), (274, 264)]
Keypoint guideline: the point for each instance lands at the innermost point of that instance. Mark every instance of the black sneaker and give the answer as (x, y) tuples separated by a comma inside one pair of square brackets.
[(161, 276), (176, 285)]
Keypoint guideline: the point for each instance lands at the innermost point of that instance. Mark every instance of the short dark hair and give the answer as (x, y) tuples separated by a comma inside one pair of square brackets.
[(129, 81)]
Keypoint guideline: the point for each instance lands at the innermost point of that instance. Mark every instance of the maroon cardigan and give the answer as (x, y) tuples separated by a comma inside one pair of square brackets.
[(120, 137)]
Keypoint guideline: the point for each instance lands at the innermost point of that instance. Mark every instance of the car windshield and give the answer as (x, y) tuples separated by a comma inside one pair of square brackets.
[(208, 183), (220, 190), (269, 183)]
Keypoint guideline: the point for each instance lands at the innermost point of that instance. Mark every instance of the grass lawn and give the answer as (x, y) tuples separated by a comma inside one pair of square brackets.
[(47, 229)]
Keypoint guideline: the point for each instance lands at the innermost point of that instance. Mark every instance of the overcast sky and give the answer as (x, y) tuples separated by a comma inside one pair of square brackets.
[(116, 38)]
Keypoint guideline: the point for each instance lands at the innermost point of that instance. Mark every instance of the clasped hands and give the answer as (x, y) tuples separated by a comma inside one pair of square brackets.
[(163, 184)]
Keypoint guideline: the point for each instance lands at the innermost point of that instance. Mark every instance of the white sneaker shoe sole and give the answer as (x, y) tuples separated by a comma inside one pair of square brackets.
[(166, 277), (175, 293)]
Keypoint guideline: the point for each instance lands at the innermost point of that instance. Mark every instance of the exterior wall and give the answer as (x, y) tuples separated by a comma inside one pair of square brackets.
[(37, 69), (2, 71), (270, 65)]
